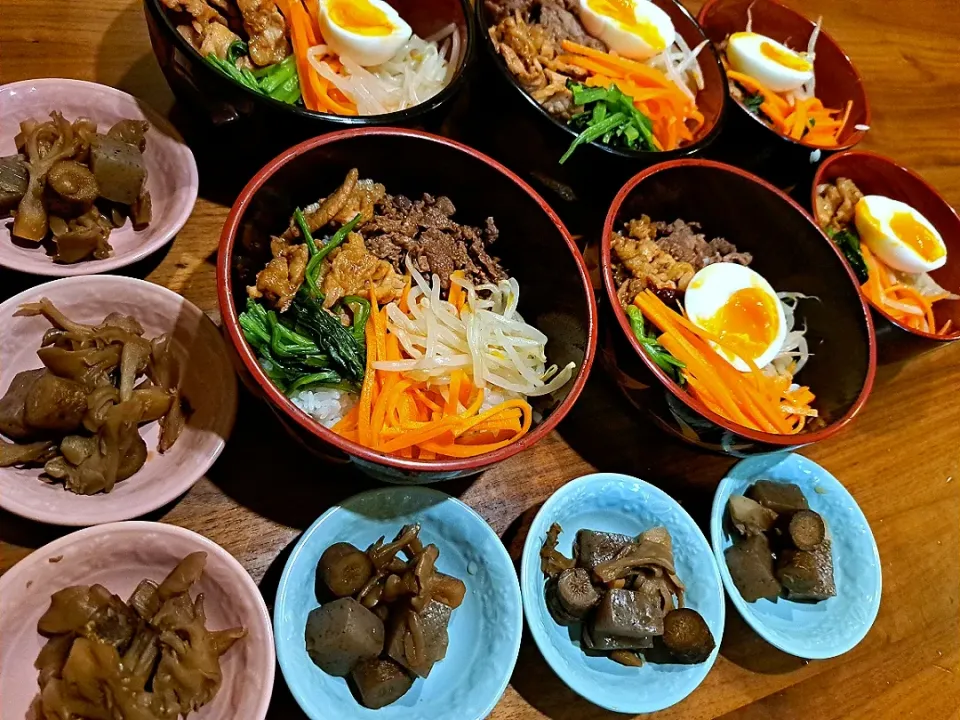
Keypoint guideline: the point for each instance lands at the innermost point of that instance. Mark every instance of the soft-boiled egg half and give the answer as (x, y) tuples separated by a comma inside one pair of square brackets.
[(774, 65), (636, 29), (899, 235), (369, 32), (740, 307)]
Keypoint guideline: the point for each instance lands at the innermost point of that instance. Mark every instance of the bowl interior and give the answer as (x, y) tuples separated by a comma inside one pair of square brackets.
[(171, 169), (710, 100), (788, 250), (554, 290), (119, 556), (837, 78), (208, 382), (484, 632), (810, 630), (877, 175), (621, 504)]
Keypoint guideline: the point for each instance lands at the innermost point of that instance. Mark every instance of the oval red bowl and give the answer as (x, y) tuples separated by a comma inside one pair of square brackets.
[(535, 246), (837, 82), (878, 175), (792, 253)]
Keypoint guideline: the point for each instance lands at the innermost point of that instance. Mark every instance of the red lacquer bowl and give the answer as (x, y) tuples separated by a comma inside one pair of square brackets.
[(534, 246), (877, 175), (747, 140), (791, 252)]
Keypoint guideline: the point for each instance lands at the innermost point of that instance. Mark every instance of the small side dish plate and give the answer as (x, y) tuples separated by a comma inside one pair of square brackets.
[(171, 169), (484, 631), (610, 502), (207, 380), (118, 556), (809, 630)]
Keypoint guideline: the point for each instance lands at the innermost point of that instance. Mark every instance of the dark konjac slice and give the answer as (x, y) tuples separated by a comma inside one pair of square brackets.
[(825, 586), (380, 681), (594, 548), (600, 642), (628, 613), (797, 571), (14, 178), (687, 636), (750, 562), (13, 405), (341, 634), (119, 169), (779, 497), (750, 517)]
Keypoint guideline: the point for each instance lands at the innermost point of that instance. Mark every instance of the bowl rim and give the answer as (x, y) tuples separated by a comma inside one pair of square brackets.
[(818, 180), (717, 512), (782, 441), (480, 12), (284, 660), (179, 482), (529, 555), (208, 546), (228, 311), (184, 158), (398, 116), (855, 137)]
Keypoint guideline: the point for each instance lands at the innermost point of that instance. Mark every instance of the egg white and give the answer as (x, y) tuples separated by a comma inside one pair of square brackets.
[(710, 289), (621, 40), (884, 242), (745, 55), (365, 50)]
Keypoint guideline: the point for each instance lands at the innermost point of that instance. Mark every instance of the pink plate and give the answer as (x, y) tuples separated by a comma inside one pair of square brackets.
[(208, 382), (171, 169), (118, 556)]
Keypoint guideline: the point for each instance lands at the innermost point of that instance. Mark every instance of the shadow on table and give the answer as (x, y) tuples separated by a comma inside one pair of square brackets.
[(742, 646)]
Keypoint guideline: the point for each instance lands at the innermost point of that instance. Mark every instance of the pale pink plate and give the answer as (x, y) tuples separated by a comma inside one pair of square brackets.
[(118, 556), (171, 169), (207, 380)]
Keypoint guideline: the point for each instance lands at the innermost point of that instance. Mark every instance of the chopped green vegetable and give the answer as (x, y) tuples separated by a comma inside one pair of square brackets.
[(278, 81), (849, 243), (753, 102), (347, 356), (313, 266), (360, 314), (610, 117), (664, 360)]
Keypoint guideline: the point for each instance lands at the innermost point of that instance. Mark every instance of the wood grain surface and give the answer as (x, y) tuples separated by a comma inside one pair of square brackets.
[(899, 458)]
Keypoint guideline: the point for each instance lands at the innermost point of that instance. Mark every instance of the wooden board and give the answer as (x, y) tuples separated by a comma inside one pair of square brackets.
[(900, 458)]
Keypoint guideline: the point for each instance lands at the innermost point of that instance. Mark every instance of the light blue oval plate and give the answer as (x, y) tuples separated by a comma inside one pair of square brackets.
[(808, 630), (622, 504), (484, 631)]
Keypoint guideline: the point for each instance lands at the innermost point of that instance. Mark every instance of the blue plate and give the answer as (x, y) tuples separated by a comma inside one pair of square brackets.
[(484, 631), (622, 504), (808, 630)]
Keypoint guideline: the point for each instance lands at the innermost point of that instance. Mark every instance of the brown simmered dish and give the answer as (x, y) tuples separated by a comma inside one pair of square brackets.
[(149, 658), (69, 185), (781, 547), (78, 416), (625, 594), (388, 623)]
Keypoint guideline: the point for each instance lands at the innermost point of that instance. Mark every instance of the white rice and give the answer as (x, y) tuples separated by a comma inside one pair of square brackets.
[(325, 405)]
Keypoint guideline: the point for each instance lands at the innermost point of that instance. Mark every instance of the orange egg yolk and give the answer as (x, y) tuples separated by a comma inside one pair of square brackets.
[(787, 58), (915, 234), (622, 12), (746, 323), (360, 17)]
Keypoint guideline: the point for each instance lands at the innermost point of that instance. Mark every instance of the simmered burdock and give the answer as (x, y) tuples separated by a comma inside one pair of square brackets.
[(687, 636), (552, 561), (628, 613), (341, 634), (71, 188), (594, 548), (750, 517), (750, 562), (824, 586), (806, 530), (779, 497), (574, 594), (345, 569), (380, 681), (418, 640)]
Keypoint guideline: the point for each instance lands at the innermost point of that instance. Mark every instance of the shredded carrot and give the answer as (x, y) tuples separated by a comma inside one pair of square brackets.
[(751, 399)]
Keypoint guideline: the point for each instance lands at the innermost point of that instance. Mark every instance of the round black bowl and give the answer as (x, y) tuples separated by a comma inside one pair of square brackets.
[(239, 113)]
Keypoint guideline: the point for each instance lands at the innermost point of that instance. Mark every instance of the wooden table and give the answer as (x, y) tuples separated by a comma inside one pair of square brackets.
[(899, 458)]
